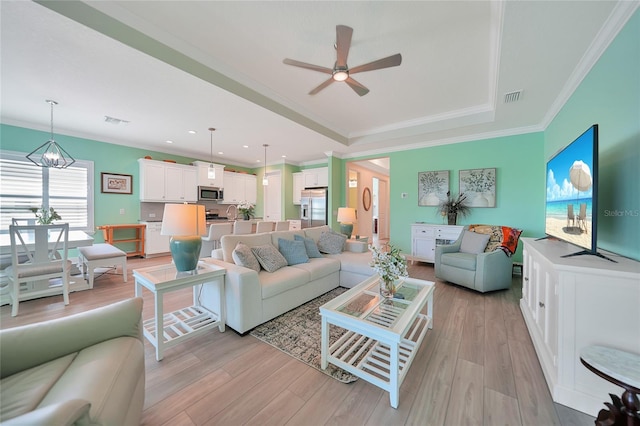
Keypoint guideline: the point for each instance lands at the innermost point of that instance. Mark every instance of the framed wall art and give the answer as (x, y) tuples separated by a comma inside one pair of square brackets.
[(479, 185), (113, 183), (432, 187)]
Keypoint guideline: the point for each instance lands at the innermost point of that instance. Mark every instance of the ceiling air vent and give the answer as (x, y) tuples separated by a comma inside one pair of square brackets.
[(512, 96), (115, 121)]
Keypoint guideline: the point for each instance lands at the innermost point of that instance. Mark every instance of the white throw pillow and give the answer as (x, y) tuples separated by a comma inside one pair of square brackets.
[(243, 256), (473, 242), (269, 257), (331, 242)]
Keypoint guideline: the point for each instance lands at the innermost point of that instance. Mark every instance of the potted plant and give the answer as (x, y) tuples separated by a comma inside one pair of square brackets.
[(44, 216), (246, 209), (390, 264), (454, 206)]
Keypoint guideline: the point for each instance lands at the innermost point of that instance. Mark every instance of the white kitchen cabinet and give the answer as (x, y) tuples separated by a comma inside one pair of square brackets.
[(167, 182), (570, 303), (154, 243), (317, 177), (425, 237), (298, 186), (240, 187), (203, 174)]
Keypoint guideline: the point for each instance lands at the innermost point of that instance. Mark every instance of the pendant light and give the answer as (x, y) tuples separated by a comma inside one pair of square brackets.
[(211, 172), (50, 154), (265, 181)]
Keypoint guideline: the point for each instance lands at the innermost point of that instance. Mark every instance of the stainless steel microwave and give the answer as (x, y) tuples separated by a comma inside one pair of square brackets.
[(210, 193)]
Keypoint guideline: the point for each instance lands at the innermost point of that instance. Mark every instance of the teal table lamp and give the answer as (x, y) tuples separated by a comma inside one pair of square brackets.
[(186, 224), (346, 217)]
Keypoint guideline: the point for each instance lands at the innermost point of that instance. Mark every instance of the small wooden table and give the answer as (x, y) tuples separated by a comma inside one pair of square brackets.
[(108, 230), (622, 369)]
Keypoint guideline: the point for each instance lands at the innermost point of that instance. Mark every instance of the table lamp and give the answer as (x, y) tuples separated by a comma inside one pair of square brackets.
[(185, 223), (346, 217)]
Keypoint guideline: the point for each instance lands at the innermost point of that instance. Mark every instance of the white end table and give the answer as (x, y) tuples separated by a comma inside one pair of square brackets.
[(166, 330)]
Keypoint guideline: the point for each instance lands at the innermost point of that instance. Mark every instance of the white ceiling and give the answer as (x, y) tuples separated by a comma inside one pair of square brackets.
[(172, 66)]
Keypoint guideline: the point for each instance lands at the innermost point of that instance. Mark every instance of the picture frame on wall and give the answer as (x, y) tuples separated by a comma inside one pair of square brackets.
[(114, 183), (432, 187), (479, 185)]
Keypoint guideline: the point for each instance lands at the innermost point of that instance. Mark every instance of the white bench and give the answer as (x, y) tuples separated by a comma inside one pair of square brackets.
[(102, 256)]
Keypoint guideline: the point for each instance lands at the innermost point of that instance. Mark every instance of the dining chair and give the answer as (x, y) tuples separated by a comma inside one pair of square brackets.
[(242, 227), (45, 247), (212, 241), (264, 226), (282, 225)]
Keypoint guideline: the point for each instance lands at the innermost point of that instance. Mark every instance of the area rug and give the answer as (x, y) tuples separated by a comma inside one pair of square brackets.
[(297, 333)]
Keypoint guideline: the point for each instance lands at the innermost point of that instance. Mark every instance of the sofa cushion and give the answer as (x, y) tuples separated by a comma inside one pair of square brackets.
[(310, 246), (315, 232), (331, 242), (282, 280), (21, 393), (319, 268), (229, 242), (354, 262), (269, 257), (473, 243), (243, 256), (459, 260), (293, 251)]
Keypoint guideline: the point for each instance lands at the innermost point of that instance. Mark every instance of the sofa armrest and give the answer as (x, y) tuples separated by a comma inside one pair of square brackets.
[(71, 412), (493, 271), (243, 296), (34, 344)]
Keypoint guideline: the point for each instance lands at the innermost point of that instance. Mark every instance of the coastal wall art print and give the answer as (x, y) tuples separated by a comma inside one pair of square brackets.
[(432, 187), (479, 185)]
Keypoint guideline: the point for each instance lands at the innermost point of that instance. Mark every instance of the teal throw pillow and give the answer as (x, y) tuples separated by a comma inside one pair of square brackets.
[(293, 251), (310, 245)]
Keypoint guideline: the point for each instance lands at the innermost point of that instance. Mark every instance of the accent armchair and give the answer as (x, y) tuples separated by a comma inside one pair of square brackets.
[(480, 258)]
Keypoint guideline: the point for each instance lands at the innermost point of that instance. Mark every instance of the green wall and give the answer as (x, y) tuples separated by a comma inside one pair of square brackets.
[(610, 96), (519, 184)]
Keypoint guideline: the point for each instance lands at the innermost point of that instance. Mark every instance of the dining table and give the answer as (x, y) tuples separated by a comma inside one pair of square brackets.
[(77, 283)]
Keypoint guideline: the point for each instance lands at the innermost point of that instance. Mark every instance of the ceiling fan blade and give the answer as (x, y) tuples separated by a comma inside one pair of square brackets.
[(343, 43), (357, 87), (307, 66), (390, 61), (322, 86)]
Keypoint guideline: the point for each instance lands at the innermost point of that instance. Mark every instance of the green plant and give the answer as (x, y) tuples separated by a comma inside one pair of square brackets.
[(454, 205), (44, 216), (245, 208), (389, 263)]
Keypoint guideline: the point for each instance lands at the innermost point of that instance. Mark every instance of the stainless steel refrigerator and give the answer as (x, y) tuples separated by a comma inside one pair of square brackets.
[(313, 207)]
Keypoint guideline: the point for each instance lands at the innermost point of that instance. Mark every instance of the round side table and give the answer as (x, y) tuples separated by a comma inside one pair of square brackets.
[(622, 369)]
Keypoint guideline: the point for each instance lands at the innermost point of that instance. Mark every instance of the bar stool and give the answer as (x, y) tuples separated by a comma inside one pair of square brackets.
[(242, 227), (212, 241), (264, 226), (282, 225)]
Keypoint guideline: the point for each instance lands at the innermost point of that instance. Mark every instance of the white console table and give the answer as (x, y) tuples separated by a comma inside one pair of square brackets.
[(425, 237), (571, 303)]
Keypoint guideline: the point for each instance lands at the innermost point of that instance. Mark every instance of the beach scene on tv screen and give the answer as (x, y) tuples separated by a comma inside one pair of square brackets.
[(569, 211)]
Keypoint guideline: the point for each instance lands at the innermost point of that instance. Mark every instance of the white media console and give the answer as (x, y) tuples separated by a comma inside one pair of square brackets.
[(569, 303)]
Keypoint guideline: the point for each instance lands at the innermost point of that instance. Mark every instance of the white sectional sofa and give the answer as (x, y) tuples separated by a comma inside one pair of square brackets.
[(253, 298)]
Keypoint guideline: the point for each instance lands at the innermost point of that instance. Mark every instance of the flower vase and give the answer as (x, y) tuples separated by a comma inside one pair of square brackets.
[(247, 216), (452, 218), (387, 288)]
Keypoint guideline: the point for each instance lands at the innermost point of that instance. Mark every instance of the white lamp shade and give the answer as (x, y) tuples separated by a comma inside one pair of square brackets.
[(346, 215), (183, 220)]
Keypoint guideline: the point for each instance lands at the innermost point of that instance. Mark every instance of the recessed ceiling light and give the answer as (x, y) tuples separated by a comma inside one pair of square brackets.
[(220, 153), (245, 146), (284, 156), (192, 132), (169, 141), (257, 161)]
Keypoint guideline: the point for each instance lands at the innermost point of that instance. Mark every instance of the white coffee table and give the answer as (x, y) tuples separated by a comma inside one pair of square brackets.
[(176, 326), (382, 335)]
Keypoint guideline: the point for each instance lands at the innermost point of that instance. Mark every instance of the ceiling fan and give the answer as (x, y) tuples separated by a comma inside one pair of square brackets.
[(342, 72)]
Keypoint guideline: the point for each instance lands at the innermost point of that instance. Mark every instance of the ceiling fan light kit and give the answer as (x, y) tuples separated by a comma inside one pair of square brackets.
[(340, 71)]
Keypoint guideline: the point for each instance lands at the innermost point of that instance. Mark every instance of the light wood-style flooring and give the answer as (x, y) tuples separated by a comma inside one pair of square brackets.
[(476, 367)]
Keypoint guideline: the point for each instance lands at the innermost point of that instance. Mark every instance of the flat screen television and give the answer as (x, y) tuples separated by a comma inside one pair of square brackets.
[(572, 189)]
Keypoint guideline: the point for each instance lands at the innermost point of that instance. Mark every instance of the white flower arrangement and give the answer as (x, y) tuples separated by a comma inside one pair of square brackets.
[(246, 208), (390, 264)]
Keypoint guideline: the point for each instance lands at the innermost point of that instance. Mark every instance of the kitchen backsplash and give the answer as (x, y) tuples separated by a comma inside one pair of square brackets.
[(154, 211)]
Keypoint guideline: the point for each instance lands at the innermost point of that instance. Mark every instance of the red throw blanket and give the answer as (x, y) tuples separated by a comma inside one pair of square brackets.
[(500, 237)]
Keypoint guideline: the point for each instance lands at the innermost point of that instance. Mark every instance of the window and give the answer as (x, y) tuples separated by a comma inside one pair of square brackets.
[(24, 185)]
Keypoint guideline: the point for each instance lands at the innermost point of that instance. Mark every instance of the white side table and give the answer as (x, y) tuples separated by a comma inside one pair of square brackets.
[(166, 330)]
